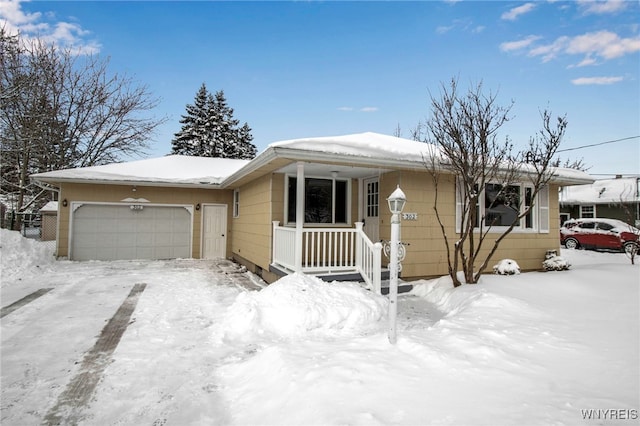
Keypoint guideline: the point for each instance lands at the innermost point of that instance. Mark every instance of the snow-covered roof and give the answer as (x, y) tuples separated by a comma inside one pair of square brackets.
[(51, 206), (364, 149), (368, 144), (169, 170), (602, 191), (388, 150)]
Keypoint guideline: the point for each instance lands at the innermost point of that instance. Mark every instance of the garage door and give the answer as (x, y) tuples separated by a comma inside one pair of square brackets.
[(110, 232)]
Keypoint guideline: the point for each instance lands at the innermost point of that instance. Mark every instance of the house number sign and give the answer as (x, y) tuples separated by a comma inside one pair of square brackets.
[(409, 216)]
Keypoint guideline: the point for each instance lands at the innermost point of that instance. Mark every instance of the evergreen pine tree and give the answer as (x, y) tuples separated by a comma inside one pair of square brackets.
[(209, 130), (190, 139), (246, 150)]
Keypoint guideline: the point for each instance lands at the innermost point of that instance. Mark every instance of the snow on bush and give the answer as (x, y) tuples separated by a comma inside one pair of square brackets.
[(21, 256), (299, 305), (556, 263), (506, 267)]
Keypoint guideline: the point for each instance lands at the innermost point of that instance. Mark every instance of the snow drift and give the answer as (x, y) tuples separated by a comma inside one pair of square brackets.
[(302, 305)]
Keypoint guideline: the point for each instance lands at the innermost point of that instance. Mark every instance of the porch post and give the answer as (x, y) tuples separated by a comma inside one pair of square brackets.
[(300, 202)]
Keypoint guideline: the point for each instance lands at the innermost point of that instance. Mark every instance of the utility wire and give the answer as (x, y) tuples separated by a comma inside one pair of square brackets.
[(596, 144)]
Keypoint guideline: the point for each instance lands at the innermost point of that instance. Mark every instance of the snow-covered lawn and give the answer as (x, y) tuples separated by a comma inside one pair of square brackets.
[(535, 348)]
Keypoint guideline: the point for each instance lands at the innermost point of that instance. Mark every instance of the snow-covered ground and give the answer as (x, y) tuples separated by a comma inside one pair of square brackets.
[(530, 349)]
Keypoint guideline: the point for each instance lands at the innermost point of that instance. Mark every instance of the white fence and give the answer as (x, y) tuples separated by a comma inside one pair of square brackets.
[(329, 250)]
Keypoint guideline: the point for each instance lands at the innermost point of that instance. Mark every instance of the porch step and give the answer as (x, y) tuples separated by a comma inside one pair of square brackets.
[(403, 287), (350, 276)]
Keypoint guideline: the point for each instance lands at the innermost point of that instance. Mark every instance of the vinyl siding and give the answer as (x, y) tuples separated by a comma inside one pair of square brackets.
[(426, 253)]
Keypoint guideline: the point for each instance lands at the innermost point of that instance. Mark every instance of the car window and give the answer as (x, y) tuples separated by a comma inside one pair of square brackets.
[(587, 225), (605, 226)]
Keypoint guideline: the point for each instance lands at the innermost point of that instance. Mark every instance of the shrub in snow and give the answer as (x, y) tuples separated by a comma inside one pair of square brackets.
[(555, 263), (506, 267), (300, 305)]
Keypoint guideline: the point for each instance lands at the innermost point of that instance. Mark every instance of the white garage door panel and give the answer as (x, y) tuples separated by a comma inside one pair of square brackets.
[(109, 232)]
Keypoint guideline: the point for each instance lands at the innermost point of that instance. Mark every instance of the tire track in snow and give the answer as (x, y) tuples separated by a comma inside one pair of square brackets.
[(80, 389), (20, 303)]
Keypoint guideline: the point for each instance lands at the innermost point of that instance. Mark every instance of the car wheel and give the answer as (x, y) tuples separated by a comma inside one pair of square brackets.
[(631, 248), (571, 243)]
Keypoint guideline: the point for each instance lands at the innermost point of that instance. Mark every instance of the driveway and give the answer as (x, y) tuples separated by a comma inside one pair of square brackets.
[(143, 342), (61, 328)]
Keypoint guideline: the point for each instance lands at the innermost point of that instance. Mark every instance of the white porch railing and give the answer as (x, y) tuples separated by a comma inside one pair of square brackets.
[(329, 250)]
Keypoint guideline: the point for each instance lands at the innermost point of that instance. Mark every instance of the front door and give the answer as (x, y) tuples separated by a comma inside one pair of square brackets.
[(214, 231), (371, 208)]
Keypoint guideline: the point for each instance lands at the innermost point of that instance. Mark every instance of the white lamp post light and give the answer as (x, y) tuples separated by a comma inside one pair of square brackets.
[(396, 201)]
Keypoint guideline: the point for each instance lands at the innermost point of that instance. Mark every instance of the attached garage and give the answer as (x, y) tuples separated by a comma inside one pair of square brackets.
[(130, 231)]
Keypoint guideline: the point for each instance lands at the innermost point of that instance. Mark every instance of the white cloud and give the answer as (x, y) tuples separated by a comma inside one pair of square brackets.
[(444, 29), (363, 109), (603, 45), (602, 7), (464, 24), (31, 25), (550, 51), (583, 81), (585, 62), (514, 13), (11, 12), (509, 46)]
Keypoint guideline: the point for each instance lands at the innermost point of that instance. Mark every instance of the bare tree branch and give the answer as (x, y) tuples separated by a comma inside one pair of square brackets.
[(464, 127), (59, 110)]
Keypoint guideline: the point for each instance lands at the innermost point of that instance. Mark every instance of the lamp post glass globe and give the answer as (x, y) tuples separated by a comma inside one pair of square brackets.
[(396, 201)]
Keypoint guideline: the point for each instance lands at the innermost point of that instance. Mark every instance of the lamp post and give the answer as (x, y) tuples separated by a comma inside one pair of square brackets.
[(396, 201)]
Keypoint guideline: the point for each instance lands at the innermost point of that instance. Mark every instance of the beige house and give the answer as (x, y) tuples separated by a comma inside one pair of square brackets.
[(310, 205)]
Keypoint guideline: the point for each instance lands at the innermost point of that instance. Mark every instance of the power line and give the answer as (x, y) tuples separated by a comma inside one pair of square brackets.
[(596, 144)]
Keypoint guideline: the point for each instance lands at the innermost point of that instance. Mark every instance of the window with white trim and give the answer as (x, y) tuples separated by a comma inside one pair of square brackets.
[(587, 212), (326, 200), (236, 203), (498, 206)]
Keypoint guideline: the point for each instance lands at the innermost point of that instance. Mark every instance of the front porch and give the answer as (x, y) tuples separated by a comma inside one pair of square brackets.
[(318, 235), (332, 254)]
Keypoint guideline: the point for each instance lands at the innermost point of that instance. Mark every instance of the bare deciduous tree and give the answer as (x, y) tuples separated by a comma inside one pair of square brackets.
[(571, 164), (59, 110), (464, 127)]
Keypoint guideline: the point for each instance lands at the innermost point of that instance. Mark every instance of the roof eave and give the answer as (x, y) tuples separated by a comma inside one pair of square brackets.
[(166, 184)]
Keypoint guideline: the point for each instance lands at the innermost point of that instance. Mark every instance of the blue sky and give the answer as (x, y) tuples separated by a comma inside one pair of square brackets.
[(305, 69)]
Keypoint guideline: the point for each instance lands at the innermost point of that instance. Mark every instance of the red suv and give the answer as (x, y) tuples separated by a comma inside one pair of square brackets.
[(600, 234)]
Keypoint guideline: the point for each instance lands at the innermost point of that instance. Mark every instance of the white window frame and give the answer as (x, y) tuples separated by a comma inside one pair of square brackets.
[(333, 203), (539, 213), (593, 213), (236, 203)]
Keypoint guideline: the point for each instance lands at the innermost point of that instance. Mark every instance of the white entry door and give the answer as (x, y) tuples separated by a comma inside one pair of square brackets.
[(214, 231), (371, 208)]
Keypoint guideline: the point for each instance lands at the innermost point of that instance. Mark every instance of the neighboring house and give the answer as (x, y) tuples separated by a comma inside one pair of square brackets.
[(617, 198), (310, 205), (49, 221)]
